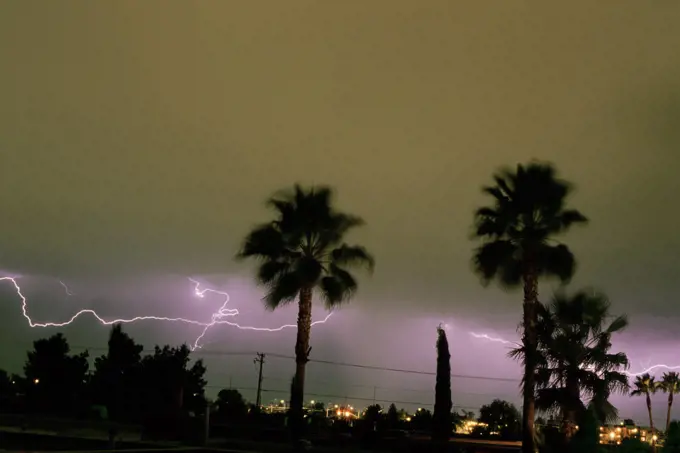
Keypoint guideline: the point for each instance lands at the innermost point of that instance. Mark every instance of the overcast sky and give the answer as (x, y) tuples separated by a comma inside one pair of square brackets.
[(138, 141)]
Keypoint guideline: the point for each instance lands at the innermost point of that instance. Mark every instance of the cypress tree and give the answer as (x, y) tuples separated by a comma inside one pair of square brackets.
[(441, 420)]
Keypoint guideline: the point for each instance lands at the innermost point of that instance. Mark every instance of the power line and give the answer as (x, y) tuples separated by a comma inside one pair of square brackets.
[(378, 387), (345, 364)]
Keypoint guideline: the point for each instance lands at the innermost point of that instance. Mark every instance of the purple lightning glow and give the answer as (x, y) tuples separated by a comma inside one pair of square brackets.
[(629, 373), (219, 317)]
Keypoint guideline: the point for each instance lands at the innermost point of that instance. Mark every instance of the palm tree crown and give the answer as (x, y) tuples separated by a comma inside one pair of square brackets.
[(519, 229), (644, 385), (303, 248), (574, 339)]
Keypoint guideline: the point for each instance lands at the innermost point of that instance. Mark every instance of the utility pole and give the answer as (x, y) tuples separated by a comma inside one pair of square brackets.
[(260, 360)]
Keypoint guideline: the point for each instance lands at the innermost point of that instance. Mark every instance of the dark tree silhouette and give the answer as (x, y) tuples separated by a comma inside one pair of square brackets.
[(574, 359), (670, 384), (422, 420), (301, 250), (117, 378), (6, 387), (373, 415), (9, 391), (231, 405), (172, 389), (392, 416), (319, 406), (56, 380), (519, 248), (587, 438), (646, 385), (672, 443), (441, 421), (501, 417)]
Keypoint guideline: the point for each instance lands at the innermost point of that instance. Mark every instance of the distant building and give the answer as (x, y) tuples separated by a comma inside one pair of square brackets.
[(468, 426), (614, 434)]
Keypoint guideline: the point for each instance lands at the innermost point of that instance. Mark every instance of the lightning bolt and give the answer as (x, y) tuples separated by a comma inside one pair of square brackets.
[(219, 317), (68, 292), (484, 336), (628, 373), (652, 368)]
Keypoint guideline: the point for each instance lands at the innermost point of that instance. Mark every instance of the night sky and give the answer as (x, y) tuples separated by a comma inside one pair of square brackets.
[(139, 140)]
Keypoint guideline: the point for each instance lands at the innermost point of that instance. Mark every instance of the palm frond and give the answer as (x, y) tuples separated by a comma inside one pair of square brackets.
[(268, 271), (550, 400), (355, 255), (618, 324), (308, 270), (335, 291), (605, 411), (570, 217), (493, 258), (282, 290), (556, 260), (265, 241)]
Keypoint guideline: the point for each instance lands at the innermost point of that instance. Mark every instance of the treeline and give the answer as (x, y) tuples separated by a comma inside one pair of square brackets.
[(161, 389)]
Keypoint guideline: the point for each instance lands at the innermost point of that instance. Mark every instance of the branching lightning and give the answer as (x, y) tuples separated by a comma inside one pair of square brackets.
[(223, 315), (629, 373), (219, 317)]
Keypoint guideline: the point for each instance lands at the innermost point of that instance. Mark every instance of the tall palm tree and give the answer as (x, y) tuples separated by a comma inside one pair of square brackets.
[(670, 383), (646, 385), (518, 232), (574, 363), (300, 251)]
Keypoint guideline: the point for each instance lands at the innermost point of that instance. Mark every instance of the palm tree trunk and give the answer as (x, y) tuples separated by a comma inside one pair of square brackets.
[(668, 414), (569, 415), (304, 328), (651, 421), (530, 345)]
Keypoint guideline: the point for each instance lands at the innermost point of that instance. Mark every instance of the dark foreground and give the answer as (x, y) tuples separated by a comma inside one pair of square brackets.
[(27, 442)]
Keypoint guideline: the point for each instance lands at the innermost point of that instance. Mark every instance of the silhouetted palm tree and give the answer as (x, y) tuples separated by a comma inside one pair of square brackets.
[(670, 383), (574, 362), (646, 385), (519, 248), (302, 250)]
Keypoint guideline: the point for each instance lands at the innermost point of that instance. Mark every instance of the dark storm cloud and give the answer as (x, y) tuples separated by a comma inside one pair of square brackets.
[(142, 138)]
